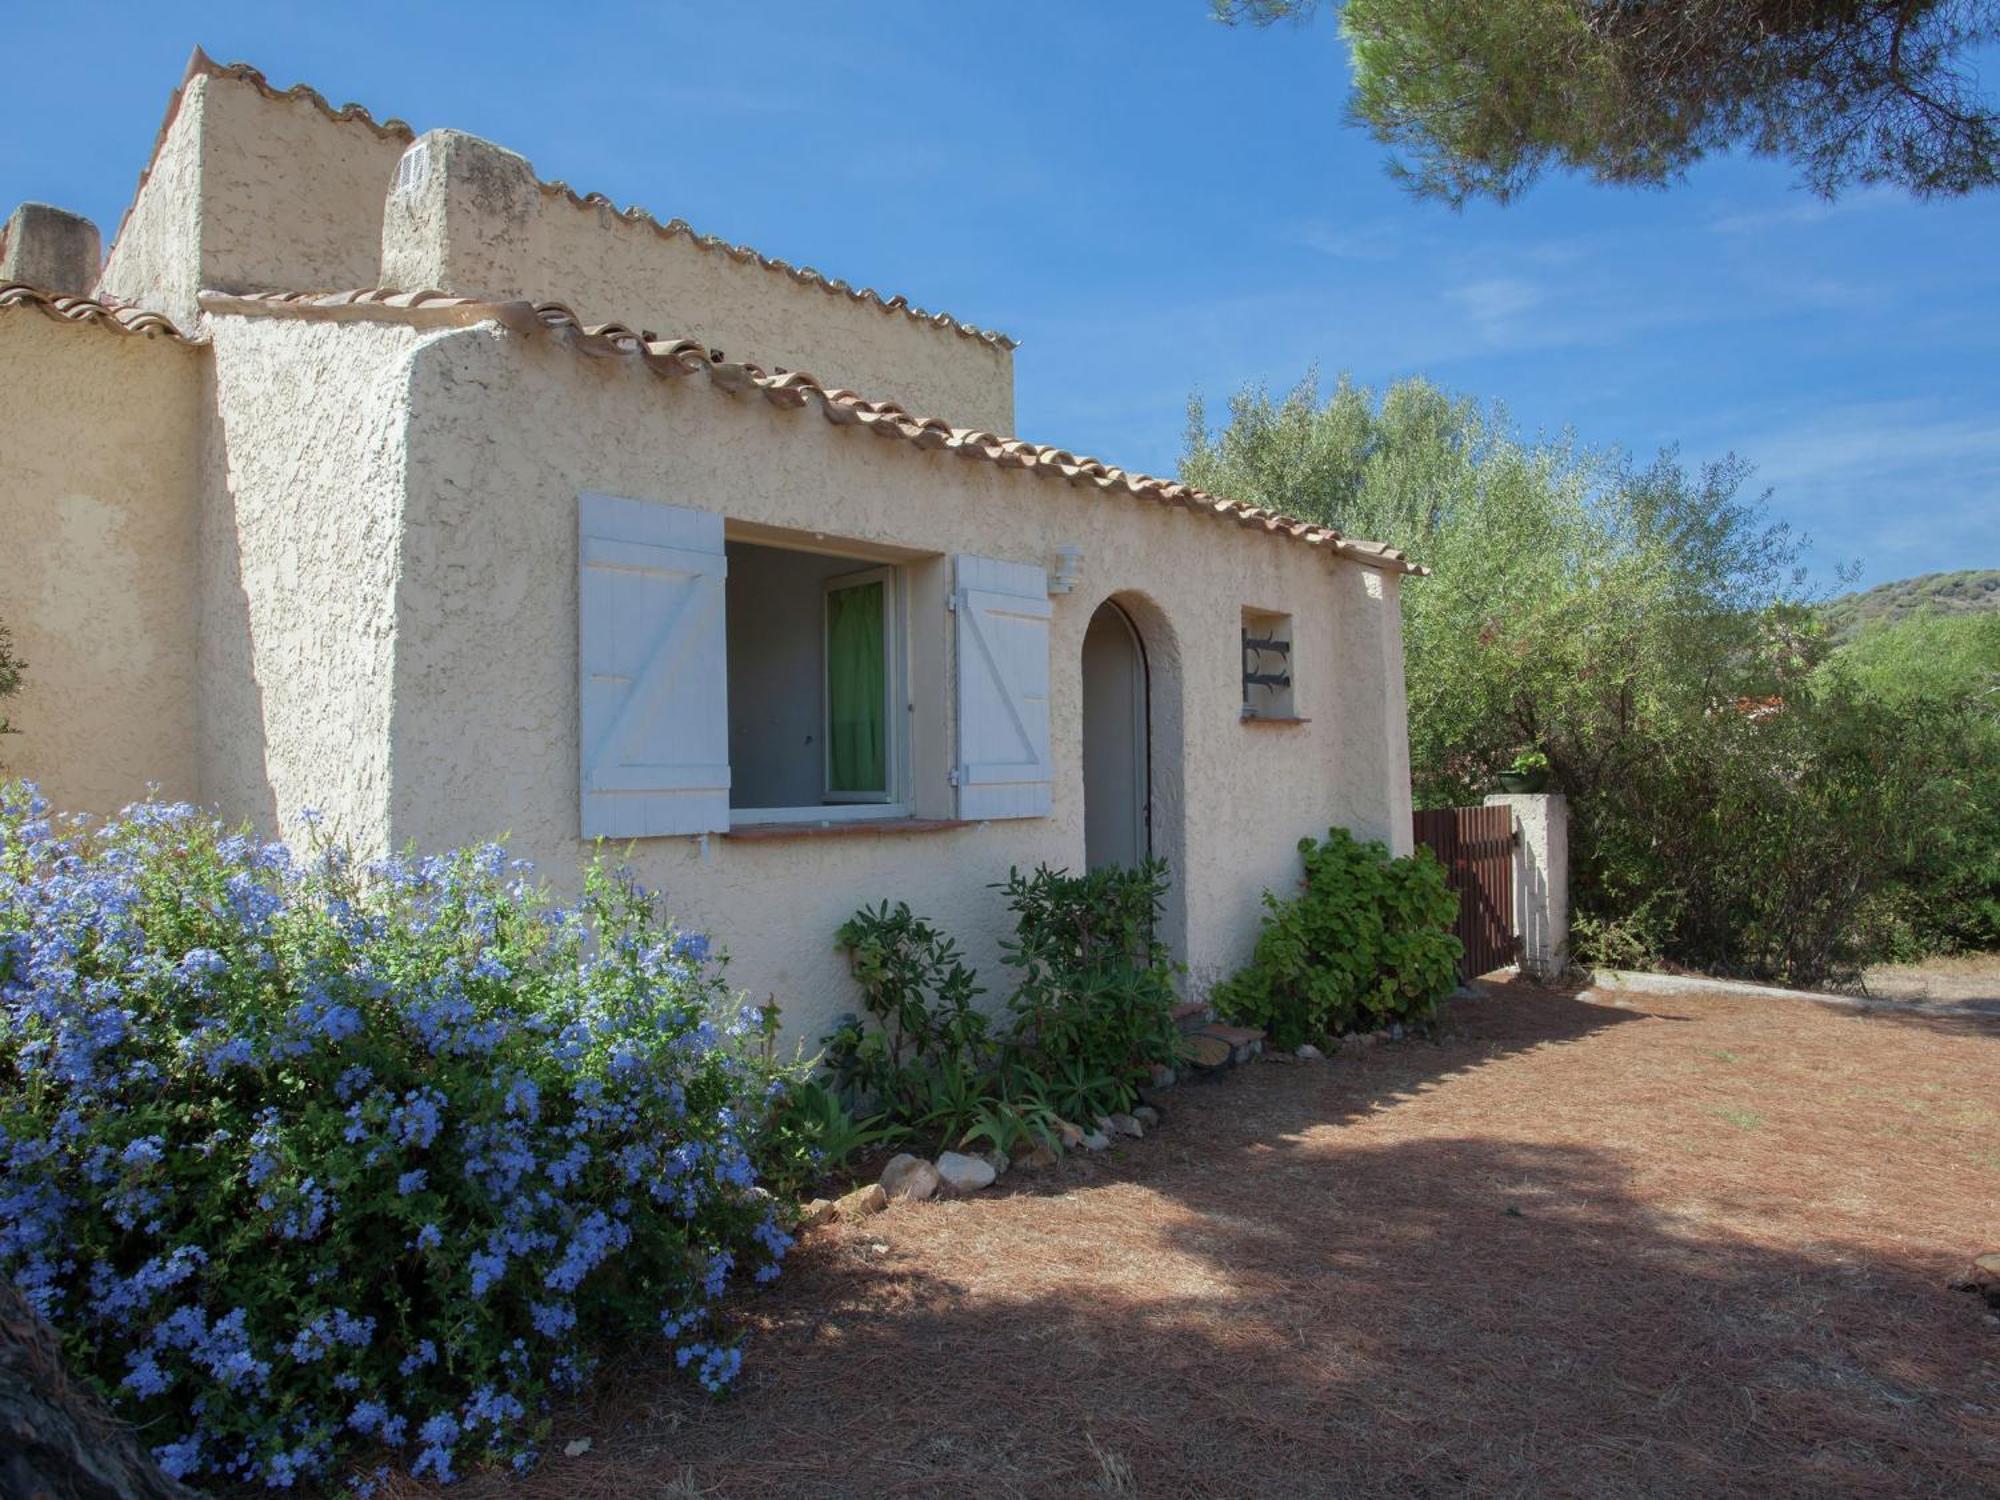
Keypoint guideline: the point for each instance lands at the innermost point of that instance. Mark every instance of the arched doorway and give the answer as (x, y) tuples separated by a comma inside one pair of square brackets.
[(1117, 790)]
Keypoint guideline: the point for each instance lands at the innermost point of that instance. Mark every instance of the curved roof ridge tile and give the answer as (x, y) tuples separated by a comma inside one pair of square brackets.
[(796, 388), (679, 228), (346, 114), (138, 322)]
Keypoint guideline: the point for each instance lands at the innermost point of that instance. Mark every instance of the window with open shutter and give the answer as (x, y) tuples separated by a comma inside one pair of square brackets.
[(654, 712), (1003, 689)]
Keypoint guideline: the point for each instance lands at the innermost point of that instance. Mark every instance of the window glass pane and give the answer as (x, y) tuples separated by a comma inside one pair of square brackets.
[(856, 688)]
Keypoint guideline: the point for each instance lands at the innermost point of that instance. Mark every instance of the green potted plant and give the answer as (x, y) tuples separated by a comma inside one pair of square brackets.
[(1528, 773)]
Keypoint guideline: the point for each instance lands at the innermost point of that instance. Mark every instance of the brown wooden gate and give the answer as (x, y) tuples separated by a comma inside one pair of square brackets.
[(1476, 847)]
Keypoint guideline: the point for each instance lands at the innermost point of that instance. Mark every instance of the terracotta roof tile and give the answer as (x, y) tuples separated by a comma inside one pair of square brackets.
[(795, 388), (114, 318), (202, 65), (804, 275)]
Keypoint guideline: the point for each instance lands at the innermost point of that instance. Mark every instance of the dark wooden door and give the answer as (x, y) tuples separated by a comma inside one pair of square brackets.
[(1476, 847)]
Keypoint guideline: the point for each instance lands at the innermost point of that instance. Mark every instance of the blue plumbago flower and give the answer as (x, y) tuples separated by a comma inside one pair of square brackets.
[(145, 1378), (183, 1013), (491, 1408), (419, 1118), (199, 965), (439, 1435), (179, 1459), (425, 1354), (552, 1319)]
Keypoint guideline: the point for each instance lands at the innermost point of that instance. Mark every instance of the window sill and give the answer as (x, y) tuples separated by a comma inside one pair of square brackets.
[(852, 828), (1278, 719)]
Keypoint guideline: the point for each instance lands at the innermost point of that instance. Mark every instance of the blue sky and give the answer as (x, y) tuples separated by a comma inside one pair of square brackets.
[(1155, 204)]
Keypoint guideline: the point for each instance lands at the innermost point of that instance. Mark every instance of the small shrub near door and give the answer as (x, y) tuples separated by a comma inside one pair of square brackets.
[(319, 1169), (1091, 1011), (1365, 942), (1093, 1000)]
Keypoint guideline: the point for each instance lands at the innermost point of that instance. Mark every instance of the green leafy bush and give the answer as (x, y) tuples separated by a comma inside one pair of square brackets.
[(1092, 1010), (1857, 818), (810, 1136), (1365, 942), (923, 1061), (317, 1167), (1094, 996), (11, 667)]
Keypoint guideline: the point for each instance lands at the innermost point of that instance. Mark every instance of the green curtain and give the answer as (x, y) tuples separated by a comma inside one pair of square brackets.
[(856, 710)]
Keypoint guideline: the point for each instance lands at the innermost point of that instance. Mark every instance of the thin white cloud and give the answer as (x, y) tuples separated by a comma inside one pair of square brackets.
[(1799, 211), (1379, 240), (1495, 302), (1912, 484)]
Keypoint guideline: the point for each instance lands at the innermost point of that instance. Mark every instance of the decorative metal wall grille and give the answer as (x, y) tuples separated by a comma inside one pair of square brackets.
[(1267, 663)]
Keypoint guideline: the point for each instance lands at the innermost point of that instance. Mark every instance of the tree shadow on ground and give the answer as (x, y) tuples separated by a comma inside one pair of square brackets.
[(1254, 1303)]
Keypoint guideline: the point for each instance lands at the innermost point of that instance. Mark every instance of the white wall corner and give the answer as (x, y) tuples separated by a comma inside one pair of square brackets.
[(1385, 592)]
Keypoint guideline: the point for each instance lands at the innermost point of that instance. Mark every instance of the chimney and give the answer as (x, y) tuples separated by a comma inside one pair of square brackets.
[(50, 248)]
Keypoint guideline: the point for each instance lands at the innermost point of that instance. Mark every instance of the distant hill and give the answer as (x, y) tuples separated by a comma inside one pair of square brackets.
[(1966, 592)]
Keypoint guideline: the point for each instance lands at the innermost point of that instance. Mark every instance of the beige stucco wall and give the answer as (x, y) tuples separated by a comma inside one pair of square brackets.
[(155, 256), (505, 432), (98, 462), (253, 193), (469, 217), (300, 544)]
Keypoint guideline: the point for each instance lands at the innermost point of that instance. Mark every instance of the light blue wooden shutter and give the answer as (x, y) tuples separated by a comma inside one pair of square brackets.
[(1003, 689), (653, 727)]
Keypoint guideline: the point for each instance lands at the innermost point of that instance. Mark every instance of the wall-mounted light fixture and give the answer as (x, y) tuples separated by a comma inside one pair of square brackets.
[(1068, 568)]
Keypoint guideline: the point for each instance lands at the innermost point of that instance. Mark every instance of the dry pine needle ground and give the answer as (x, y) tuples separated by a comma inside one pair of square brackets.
[(1690, 1245)]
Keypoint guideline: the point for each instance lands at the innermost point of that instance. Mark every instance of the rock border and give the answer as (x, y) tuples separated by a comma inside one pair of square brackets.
[(909, 1178)]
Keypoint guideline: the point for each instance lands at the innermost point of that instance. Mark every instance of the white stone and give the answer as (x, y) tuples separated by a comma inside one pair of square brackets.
[(963, 1175), (909, 1178), (1127, 1125), (1310, 1053), (576, 1447), (1097, 1140), (1146, 1115)]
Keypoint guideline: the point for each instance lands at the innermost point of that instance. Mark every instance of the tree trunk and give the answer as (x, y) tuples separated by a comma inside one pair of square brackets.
[(56, 1441)]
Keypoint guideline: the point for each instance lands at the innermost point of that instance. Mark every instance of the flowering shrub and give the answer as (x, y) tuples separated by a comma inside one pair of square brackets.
[(318, 1167)]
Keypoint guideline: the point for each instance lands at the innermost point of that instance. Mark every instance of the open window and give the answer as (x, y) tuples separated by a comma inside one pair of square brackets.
[(815, 674), (732, 673)]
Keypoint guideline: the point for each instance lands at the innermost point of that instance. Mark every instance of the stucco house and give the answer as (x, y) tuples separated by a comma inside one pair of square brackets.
[(357, 478)]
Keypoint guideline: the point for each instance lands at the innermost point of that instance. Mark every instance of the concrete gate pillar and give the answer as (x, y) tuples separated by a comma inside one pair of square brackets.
[(1541, 879)]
